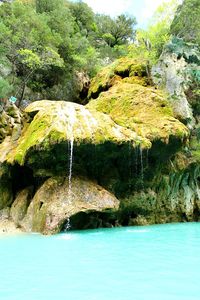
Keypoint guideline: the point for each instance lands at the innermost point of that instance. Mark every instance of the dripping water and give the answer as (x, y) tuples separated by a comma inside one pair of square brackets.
[(129, 164), (71, 122), (142, 168), (71, 146), (67, 225), (136, 160)]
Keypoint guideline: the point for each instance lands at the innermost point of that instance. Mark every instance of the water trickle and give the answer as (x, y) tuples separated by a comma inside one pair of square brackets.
[(136, 160), (71, 121), (67, 225), (147, 158), (129, 163), (142, 168), (71, 146)]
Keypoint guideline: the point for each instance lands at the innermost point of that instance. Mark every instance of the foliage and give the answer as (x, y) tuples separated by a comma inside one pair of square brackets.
[(116, 31), (150, 42), (48, 42), (5, 88), (187, 21)]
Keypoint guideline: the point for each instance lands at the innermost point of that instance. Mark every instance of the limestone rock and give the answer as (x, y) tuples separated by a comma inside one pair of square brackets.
[(57, 200), (11, 121), (20, 205), (172, 73), (121, 68), (7, 226)]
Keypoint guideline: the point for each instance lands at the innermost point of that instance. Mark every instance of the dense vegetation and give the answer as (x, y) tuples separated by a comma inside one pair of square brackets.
[(44, 44), (49, 49)]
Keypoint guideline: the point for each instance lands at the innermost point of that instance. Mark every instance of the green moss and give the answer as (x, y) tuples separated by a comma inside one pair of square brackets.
[(58, 122), (122, 68), (141, 109)]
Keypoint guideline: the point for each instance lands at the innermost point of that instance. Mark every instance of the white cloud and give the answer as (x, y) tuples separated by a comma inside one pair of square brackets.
[(112, 8), (149, 8), (141, 9)]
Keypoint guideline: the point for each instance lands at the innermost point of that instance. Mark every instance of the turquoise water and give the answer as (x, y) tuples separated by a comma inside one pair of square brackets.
[(155, 263)]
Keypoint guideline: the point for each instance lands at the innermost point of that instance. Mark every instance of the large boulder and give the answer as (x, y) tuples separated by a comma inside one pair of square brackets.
[(58, 199), (126, 95)]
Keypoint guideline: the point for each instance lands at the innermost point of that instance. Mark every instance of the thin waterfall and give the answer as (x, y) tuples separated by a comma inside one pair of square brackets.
[(67, 225), (129, 163), (142, 168), (71, 146), (71, 121), (136, 160)]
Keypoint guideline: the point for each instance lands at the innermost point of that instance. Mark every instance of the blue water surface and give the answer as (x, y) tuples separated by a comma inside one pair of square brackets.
[(160, 262)]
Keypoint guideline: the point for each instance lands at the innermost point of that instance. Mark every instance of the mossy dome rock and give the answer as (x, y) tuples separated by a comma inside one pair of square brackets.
[(57, 200), (121, 68), (58, 121), (141, 109)]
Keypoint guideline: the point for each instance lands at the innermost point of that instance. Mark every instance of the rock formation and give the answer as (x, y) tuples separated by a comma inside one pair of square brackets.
[(123, 158)]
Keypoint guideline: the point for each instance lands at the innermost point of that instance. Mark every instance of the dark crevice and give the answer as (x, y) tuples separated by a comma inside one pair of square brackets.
[(100, 90), (91, 220)]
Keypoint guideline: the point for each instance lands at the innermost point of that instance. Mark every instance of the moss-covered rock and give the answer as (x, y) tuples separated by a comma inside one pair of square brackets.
[(121, 68), (57, 122), (144, 110), (57, 200)]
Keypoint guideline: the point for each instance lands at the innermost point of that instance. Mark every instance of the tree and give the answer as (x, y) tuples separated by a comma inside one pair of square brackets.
[(186, 23), (84, 17), (116, 31), (46, 6), (5, 88), (150, 42)]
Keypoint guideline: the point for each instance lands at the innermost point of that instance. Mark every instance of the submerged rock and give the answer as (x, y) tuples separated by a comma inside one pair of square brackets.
[(56, 201)]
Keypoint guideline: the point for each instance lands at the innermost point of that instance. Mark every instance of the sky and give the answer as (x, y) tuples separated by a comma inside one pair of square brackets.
[(142, 9)]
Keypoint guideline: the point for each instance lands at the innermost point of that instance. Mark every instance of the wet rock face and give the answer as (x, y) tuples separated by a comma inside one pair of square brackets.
[(56, 201)]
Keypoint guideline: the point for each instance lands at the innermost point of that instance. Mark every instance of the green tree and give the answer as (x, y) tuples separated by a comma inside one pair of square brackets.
[(84, 18), (5, 88), (46, 6), (116, 31), (150, 42), (186, 23)]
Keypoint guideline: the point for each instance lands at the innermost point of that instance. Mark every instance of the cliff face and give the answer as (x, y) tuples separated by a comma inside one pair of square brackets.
[(121, 159)]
